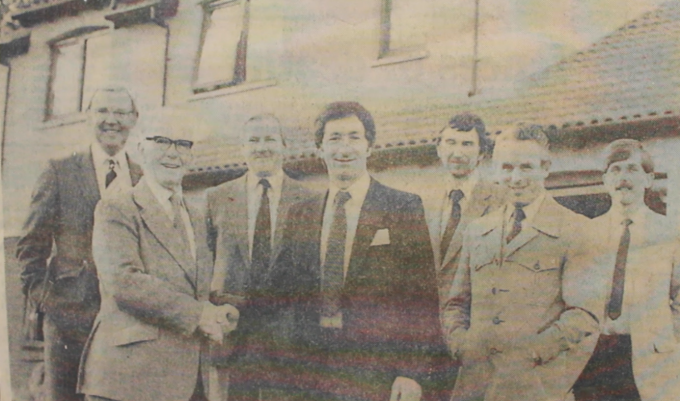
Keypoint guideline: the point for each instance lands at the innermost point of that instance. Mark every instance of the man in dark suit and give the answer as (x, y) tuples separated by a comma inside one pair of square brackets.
[(245, 220), (154, 265), (357, 264), (62, 279)]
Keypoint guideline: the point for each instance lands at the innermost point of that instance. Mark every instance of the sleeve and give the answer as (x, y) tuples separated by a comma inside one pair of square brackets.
[(579, 318), (417, 288), (116, 247), (456, 311), (35, 245), (675, 291)]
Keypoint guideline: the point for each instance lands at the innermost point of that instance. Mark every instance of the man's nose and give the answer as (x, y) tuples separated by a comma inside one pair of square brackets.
[(516, 175)]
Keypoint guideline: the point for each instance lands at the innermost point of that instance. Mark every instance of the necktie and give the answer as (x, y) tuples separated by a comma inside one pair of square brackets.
[(332, 276), (518, 215), (177, 221), (261, 252), (455, 195), (616, 299), (111, 175)]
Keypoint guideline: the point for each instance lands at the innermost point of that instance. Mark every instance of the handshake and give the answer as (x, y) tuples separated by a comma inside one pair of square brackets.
[(216, 321)]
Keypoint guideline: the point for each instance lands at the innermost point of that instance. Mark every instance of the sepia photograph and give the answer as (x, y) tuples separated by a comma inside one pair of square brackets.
[(358, 200)]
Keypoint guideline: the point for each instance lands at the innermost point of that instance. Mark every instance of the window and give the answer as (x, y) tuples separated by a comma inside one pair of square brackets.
[(222, 53), (88, 58), (402, 33), (67, 70), (66, 87)]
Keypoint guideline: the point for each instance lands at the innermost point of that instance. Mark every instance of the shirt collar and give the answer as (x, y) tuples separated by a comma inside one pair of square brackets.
[(638, 216), (357, 190), (467, 185), (100, 158), (275, 180), (161, 193), (530, 210)]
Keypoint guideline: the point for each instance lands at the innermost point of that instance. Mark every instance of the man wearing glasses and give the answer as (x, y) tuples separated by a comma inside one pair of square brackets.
[(62, 282), (154, 265)]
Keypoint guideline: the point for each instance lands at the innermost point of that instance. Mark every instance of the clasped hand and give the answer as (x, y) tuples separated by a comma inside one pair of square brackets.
[(216, 321)]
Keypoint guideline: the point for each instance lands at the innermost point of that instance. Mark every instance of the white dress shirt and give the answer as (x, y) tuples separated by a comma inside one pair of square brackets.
[(163, 196), (637, 237), (446, 204), (101, 162), (358, 192), (254, 197)]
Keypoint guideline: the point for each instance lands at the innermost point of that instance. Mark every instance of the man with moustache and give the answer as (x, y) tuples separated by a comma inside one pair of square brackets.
[(154, 265), (55, 249), (357, 265), (245, 220), (635, 272), (515, 315)]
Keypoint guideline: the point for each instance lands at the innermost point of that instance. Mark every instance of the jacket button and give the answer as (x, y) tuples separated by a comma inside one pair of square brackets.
[(493, 290), (494, 351), (497, 320)]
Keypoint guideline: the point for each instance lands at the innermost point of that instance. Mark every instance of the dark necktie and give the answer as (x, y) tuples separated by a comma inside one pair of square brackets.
[(616, 299), (262, 238), (518, 215), (111, 175), (454, 219), (334, 265)]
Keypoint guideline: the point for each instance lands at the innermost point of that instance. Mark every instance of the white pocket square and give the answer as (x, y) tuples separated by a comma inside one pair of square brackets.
[(382, 237)]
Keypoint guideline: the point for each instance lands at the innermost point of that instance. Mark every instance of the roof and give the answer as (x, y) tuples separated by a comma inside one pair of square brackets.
[(629, 75)]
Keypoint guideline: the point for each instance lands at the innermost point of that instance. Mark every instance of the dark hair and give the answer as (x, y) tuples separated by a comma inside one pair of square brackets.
[(623, 149), (466, 122), (113, 89), (339, 110), (264, 118)]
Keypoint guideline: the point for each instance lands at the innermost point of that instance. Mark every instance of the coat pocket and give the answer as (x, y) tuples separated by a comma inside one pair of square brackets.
[(133, 334)]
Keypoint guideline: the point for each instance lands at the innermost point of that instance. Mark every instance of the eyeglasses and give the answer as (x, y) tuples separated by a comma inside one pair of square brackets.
[(116, 113), (163, 143)]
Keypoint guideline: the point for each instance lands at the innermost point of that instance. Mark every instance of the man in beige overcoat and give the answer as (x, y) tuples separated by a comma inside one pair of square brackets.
[(515, 316)]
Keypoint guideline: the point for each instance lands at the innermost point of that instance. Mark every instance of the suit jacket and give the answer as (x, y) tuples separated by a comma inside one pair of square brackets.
[(227, 216), (519, 302), (389, 299), (485, 198), (144, 344), (61, 212), (652, 282)]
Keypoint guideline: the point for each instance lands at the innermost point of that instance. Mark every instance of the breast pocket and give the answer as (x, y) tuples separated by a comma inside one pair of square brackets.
[(541, 279), (133, 334)]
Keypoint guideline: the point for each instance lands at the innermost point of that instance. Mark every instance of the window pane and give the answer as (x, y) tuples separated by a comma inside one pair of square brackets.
[(408, 22), (222, 35), (67, 76)]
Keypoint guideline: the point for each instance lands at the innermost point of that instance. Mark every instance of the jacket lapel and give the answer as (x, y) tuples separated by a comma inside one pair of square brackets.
[(239, 197), (477, 207), (160, 226), (87, 180), (370, 219), (136, 171), (203, 262), (289, 196)]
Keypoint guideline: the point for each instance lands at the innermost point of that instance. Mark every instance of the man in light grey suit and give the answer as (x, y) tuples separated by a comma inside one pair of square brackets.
[(635, 272), (245, 223), (155, 268)]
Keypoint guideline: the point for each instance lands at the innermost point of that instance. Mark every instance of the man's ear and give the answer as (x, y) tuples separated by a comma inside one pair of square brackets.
[(649, 180), (545, 164)]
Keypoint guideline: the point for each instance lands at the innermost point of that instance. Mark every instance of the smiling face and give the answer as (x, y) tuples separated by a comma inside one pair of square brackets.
[(626, 181), (112, 116), (522, 167), (166, 163), (263, 147), (345, 150), (459, 151)]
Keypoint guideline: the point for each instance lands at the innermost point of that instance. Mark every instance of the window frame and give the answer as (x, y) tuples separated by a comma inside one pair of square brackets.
[(386, 54), (240, 66)]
